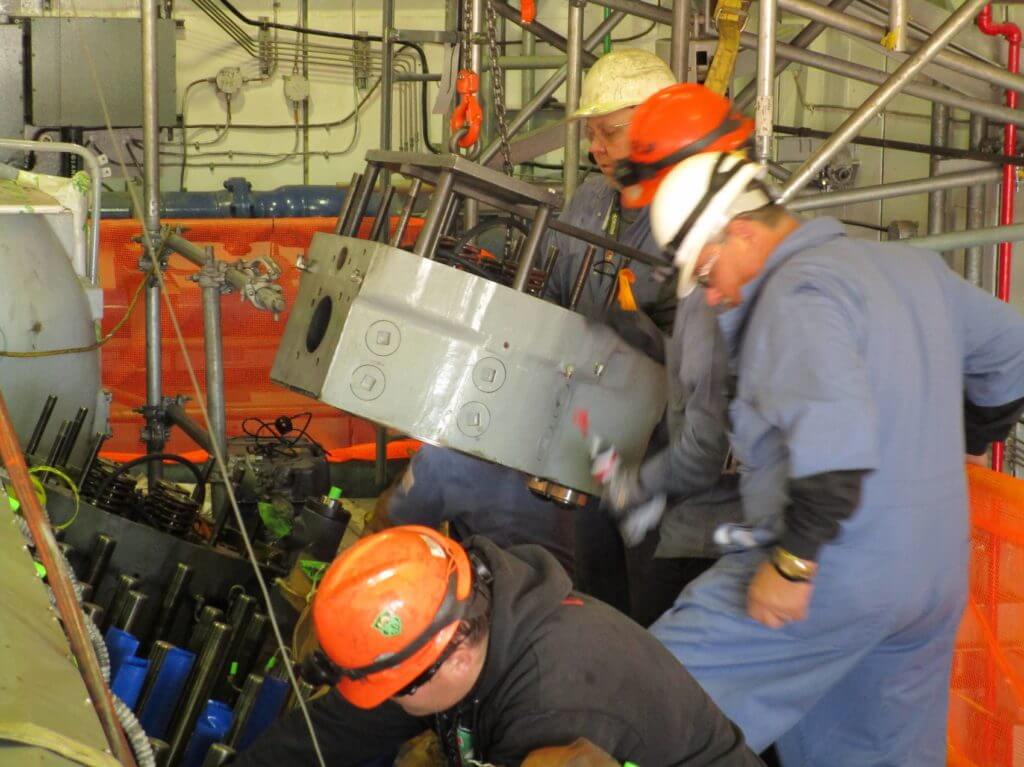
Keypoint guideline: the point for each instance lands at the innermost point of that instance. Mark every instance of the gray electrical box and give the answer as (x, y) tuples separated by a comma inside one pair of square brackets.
[(61, 90), (457, 360)]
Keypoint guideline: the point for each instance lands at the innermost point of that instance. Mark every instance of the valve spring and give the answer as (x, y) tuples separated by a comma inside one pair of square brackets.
[(118, 498), (170, 508)]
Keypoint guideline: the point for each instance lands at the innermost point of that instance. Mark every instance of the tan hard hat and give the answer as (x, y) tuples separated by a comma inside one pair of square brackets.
[(620, 79)]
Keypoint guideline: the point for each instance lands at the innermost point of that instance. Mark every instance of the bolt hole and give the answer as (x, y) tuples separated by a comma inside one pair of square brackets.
[(342, 258), (318, 324), (505, 345)]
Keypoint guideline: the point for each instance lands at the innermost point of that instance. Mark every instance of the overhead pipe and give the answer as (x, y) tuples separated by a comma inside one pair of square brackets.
[(969, 237), (975, 207), (573, 83), (1008, 192), (956, 180), (878, 100), (896, 40), (865, 30), (937, 197), (541, 32), (679, 48), (764, 111)]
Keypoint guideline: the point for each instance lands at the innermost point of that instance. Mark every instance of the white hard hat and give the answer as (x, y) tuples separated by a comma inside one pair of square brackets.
[(696, 201), (620, 79)]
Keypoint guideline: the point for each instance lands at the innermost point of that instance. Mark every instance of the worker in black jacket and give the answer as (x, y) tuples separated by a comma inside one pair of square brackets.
[(495, 652)]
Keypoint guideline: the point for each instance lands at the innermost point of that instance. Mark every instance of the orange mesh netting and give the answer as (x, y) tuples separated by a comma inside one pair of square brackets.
[(250, 336), (986, 712)]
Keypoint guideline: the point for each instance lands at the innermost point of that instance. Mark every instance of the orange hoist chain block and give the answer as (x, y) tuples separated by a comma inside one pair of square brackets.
[(527, 11), (467, 115)]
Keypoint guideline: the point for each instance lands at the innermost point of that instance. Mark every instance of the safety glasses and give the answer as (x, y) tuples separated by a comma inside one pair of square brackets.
[(430, 673)]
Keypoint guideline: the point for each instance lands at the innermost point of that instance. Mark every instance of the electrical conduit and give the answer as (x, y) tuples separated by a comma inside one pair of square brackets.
[(1009, 189)]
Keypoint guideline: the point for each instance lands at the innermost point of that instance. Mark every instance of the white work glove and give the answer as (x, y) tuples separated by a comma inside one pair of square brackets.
[(635, 510)]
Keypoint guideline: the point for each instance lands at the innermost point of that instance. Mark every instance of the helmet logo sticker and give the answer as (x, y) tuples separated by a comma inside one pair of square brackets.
[(388, 623)]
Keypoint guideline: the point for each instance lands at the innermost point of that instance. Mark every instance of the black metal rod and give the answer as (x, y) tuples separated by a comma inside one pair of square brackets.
[(58, 444), (157, 653), (125, 583), (208, 669), (41, 424), (102, 550), (243, 707), (94, 612), (94, 452), (346, 204), (362, 201), (131, 613), (175, 593), (909, 146), (72, 437), (403, 219), (161, 752), (207, 617), (252, 643), (581, 277), (219, 755)]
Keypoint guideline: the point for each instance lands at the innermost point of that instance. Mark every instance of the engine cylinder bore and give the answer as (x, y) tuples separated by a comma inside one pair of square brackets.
[(118, 497), (170, 508)]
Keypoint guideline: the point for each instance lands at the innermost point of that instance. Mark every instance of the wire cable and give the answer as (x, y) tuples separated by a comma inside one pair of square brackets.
[(91, 347)]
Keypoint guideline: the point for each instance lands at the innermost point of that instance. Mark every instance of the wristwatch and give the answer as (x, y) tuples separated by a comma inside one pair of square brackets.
[(791, 567)]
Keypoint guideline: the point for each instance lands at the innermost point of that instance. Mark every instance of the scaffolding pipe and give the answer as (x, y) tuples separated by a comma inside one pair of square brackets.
[(63, 590), (573, 83), (937, 197), (968, 238), (541, 32), (804, 38), (679, 50), (878, 77), (877, 101), (154, 430), (975, 207), (471, 209), (1008, 192), (865, 30), (956, 180), (764, 112), (547, 90), (896, 39)]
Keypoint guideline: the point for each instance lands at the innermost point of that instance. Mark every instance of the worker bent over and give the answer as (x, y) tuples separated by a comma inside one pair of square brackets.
[(861, 368), (494, 651)]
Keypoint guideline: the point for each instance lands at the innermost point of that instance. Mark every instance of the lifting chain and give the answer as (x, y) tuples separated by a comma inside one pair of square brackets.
[(498, 87), (467, 34)]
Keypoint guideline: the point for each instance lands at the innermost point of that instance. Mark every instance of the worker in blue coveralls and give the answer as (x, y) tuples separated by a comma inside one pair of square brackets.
[(862, 370)]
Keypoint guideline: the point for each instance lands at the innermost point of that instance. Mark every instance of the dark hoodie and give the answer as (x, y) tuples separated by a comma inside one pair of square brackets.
[(559, 666)]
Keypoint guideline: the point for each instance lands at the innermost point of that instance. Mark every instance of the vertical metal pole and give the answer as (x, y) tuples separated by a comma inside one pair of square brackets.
[(528, 253), (472, 207), (527, 77), (937, 199), (380, 462), (387, 76), (975, 207), (885, 93), (151, 238), (764, 112), (898, 16), (210, 281), (573, 83), (304, 41), (679, 56)]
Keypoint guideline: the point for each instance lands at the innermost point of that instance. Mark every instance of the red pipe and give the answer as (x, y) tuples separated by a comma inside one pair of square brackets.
[(1009, 191)]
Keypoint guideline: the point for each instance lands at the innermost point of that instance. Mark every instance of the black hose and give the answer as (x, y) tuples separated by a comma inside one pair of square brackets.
[(292, 28), (149, 458)]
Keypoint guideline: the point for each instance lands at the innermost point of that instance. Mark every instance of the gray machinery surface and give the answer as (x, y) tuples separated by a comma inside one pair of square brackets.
[(45, 305), (456, 359)]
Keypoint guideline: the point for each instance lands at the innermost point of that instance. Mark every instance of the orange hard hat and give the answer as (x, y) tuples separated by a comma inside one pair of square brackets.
[(387, 609), (675, 123)]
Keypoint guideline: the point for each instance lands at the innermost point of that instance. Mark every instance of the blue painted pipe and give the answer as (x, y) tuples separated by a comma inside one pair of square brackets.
[(129, 679), (239, 201), (120, 645), (167, 688), (212, 726), (269, 702)]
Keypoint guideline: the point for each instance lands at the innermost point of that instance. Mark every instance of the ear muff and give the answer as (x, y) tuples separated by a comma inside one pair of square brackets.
[(319, 670)]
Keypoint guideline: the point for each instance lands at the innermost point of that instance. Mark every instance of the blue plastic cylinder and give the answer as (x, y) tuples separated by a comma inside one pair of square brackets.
[(163, 698), (120, 645), (129, 679), (212, 726), (269, 702)]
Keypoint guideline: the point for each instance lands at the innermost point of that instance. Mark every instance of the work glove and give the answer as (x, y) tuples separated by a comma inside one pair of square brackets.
[(635, 510)]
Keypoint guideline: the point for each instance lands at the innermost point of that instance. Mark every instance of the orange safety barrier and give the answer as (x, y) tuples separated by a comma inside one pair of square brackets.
[(986, 711), (250, 336)]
